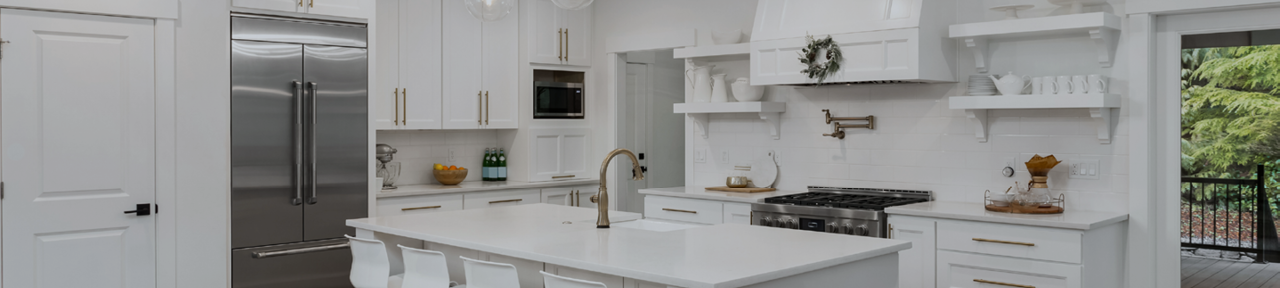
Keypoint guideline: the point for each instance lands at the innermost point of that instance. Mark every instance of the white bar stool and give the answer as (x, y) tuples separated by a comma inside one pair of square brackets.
[(425, 269), (485, 274), (369, 265), (557, 281)]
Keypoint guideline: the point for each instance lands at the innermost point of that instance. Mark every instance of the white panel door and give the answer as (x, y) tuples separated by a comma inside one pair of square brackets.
[(502, 73), (915, 265), (546, 36), (341, 8), (278, 5), (387, 111), (78, 106), (463, 94), (420, 66), (577, 38)]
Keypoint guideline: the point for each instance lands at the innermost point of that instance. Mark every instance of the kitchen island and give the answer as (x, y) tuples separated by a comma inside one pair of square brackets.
[(565, 240)]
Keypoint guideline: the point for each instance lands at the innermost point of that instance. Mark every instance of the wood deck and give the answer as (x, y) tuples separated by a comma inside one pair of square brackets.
[(1198, 272)]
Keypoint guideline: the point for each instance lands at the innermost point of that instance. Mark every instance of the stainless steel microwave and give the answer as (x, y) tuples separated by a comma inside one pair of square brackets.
[(558, 100)]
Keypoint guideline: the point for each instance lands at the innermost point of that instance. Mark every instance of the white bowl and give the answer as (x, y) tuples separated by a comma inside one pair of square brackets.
[(744, 92), (726, 37), (1000, 200)]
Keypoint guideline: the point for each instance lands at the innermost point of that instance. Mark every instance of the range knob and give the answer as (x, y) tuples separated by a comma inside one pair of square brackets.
[(832, 228), (784, 222), (860, 230), (766, 221), (847, 228), (793, 224)]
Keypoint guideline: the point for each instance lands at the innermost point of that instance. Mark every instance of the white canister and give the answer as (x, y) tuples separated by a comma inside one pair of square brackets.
[(1097, 83), (1064, 85), (1037, 84), (1079, 84)]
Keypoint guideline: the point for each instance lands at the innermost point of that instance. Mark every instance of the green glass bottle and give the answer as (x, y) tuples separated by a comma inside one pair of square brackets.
[(485, 164), (502, 164)]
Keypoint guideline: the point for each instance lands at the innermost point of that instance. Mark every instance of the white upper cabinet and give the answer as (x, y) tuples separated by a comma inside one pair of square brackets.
[(340, 8), (558, 36), (559, 153), (481, 71), (409, 63)]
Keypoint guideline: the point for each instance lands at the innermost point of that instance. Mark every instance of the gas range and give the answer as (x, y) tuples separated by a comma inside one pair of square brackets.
[(852, 211)]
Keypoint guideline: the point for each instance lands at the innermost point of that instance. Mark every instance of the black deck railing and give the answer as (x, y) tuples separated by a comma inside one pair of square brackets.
[(1227, 214)]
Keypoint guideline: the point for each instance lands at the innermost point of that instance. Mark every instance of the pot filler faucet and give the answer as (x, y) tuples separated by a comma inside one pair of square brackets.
[(602, 198)]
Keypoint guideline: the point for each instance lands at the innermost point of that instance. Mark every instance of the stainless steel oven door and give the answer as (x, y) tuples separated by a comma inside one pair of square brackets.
[(556, 100)]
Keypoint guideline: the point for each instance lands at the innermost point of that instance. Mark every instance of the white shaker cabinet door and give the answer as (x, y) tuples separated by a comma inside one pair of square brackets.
[(341, 8), (419, 69), (737, 213), (608, 280), (463, 92), (915, 265), (546, 36), (577, 35), (277, 5), (584, 194), (559, 153), (557, 196), (387, 94), (79, 142), (501, 62)]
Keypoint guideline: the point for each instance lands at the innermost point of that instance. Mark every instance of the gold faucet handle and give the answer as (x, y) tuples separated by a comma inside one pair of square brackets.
[(595, 198), (828, 112)]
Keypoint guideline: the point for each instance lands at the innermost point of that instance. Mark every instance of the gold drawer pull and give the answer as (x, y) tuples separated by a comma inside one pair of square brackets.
[(1002, 283), (563, 176), (678, 210), (505, 201), (420, 208), (1004, 242)]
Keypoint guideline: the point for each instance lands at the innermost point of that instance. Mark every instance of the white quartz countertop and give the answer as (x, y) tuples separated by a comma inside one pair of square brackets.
[(477, 186), (717, 256), (1071, 219), (702, 193)]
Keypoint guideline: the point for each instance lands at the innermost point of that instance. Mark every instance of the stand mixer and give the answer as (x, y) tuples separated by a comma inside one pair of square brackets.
[(385, 153)]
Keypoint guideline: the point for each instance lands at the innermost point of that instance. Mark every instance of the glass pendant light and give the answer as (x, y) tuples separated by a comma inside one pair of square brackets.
[(490, 10), (572, 4)]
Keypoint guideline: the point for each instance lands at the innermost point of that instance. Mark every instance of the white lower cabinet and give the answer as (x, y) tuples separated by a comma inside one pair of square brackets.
[(479, 200), (737, 213), (969, 254), (608, 280), (419, 204), (698, 211), (528, 271), (915, 265), (578, 196)]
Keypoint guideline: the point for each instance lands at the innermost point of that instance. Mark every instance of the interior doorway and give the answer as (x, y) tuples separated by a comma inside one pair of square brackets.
[(653, 83)]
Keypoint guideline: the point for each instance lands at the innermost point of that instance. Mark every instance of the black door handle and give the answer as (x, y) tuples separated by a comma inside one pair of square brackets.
[(142, 210)]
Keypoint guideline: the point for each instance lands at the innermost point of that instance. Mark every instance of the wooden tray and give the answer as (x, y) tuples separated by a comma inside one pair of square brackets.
[(741, 190), (1024, 209)]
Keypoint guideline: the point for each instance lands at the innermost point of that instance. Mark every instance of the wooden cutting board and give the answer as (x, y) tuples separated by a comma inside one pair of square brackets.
[(741, 190)]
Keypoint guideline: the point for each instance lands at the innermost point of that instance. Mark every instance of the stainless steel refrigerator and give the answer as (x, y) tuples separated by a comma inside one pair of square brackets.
[(299, 148)]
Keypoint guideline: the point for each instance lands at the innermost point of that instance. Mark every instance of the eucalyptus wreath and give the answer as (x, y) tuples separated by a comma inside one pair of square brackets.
[(816, 68)]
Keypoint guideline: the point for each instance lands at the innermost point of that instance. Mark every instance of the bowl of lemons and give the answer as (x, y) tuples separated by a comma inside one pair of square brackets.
[(449, 175)]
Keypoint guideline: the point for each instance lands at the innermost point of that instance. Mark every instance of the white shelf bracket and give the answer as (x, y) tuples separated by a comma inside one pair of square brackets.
[(1105, 40), (701, 120), (1103, 118), (980, 53), (979, 119), (774, 121)]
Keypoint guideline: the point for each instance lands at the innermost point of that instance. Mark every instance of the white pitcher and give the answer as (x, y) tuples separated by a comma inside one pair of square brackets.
[(701, 81), (1010, 84), (719, 91)]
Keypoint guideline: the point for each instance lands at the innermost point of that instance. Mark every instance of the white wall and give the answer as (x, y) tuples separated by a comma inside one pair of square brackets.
[(918, 143), (203, 152), (419, 150)]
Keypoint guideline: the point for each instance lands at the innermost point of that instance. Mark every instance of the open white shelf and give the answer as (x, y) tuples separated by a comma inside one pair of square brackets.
[(770, 112), (1101, 108), (740, 49), (1102, 27)]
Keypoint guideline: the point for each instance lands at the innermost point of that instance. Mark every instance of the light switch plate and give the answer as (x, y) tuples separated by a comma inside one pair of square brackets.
[(1084, 168), (724, 157), (700, 155)]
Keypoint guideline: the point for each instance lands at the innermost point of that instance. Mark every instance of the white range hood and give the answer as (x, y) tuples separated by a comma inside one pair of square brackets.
[(884, 41)]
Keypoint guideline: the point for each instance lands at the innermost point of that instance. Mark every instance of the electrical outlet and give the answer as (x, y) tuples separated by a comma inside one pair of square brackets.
[(700, 155), (453, 155), (724, 157), (1084, 169)]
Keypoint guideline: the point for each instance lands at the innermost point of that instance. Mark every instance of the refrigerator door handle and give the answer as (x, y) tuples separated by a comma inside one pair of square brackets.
[(314, 98), (297, 144), (278, 253)]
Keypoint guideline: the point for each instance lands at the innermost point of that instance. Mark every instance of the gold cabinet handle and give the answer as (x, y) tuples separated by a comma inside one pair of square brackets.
[(681, 211), (311, 4), (573, 194), (299, 3), (420, 208), (405, 93), (480, 106), (486, 107), (566, 44), (1002, 283), (559, 41), (397, 93), (505, 201), (1004, 242), (562, 176), (891, 231)]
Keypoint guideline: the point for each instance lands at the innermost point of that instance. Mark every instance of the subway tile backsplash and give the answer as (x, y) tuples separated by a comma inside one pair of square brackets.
[(420, 149), (918, 143)]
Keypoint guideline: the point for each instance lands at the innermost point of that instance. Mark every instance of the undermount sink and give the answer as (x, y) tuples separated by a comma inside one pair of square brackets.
[(652, 225)]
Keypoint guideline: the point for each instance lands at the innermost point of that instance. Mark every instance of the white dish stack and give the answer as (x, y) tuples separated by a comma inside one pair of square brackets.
[(981, 85)]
